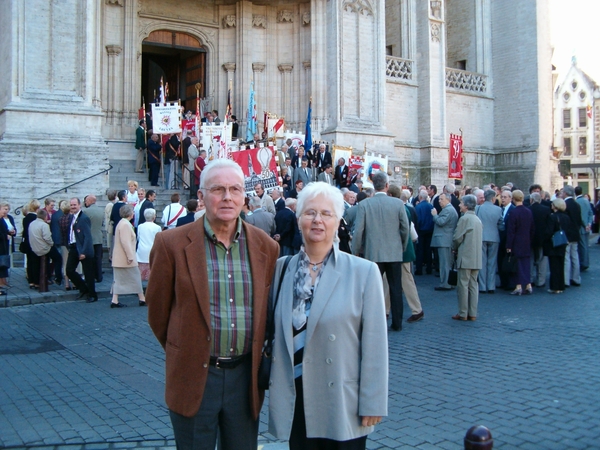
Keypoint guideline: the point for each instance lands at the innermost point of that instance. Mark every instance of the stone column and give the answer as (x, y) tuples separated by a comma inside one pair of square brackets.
[(483, 35), (229, 68), (113, 52), (259, 87), (431, 78), (286, 88), (355, 75)]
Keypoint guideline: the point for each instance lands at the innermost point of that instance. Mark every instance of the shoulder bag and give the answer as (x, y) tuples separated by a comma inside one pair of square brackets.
[(264, 370), (559, 237)]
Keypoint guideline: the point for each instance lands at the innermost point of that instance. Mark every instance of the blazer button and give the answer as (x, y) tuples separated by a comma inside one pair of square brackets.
[(332, 337), (208, 338), (270, 383), (205, 365), (328, 360), (331, 384), (273, 358)]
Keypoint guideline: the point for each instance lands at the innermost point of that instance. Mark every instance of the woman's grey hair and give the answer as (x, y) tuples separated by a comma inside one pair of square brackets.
[(321, 189), (150, 215), (559, 204), (3, 204), (470, 201), (125, 211), (220, 163)]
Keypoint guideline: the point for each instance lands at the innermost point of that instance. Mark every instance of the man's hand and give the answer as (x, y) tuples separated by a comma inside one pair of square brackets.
[(81, 257), (434, 212)]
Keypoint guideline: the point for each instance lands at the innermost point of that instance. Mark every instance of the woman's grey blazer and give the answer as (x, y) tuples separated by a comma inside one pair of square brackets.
[(345, 364)]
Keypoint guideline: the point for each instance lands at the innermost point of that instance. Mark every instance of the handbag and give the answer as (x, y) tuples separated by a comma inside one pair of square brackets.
[(264, 370), (453, 275), (559, 237), (510, 264), (4, 261)]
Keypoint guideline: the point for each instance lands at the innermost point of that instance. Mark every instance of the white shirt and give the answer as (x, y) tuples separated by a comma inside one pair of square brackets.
[(171, 213), (146, 233)]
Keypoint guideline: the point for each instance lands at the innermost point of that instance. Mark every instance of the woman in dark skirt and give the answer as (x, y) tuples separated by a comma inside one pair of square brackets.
[(556, 255), (32, 209), (519, 236)]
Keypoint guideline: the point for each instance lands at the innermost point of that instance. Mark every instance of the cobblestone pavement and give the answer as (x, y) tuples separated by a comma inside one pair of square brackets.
[(75, 375)]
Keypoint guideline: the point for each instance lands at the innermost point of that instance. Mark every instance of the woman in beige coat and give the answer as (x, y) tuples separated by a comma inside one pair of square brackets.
[(125, 267)]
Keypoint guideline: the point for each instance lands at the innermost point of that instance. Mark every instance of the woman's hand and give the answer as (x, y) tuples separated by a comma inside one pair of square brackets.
[(129, 261), (369, 421)]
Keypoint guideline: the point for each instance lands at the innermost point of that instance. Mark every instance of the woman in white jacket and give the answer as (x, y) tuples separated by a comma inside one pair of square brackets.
[(146, 233)]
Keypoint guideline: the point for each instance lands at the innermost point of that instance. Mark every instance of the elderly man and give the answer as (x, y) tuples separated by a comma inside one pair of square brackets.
[(382, 227), (480, 196), (587, 218), (341, 174), (322, 159), (507, 207), (303, 173), (467, 241), (572, 268), (40, 239), (260, 218), (491, 219), (443, 230), (266, 201), (81, 249), (278, 201), (96, 215), (425, 226), (207, 306), (349, 198), (327, 175)]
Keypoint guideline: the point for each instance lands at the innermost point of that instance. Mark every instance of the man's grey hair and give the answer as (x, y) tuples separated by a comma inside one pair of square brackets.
[(405, 195), (344, 190), (380, 179), (290, 202), (150, 214), (489, 195), (450, 188), (220, 163), (569, 191), (508, 192), (470, 201), (321, 189), (255, 201), (477, 191), (535, 197), (369, 191), (423, 195)]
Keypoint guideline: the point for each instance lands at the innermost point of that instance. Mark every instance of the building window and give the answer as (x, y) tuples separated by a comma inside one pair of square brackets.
[(582, 146), (582, 118), (566, 96), (566, 118), (567, 146), (462, 64), (574, 85), (581, 95)]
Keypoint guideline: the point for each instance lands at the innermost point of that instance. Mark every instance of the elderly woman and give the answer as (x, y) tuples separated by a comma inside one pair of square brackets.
[(559, 220), (519, 237), (329, 376), (125, 267), (146, 233), (468, 242), (132, 195), (32, 209), (7, 231)]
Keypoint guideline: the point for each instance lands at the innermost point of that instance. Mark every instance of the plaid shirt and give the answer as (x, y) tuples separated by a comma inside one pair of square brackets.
[(230, 290)]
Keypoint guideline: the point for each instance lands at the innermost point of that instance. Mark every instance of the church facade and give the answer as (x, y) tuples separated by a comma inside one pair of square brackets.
[(394, 77)]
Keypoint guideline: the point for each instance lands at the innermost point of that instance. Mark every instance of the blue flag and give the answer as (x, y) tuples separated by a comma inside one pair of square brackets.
[(308, 132), (251, 116)]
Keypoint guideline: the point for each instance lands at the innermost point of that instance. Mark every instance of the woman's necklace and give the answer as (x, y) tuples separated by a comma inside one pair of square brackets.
[(315, 266)]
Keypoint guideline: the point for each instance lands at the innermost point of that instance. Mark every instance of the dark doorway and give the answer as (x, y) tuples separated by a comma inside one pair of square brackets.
[(178, 58)]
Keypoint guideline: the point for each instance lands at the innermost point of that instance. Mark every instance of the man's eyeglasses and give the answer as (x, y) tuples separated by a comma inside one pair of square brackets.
[(235, 190)]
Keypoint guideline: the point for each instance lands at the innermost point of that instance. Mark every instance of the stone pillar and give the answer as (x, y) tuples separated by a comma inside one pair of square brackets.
[(259, 86), (229, 68), (50, 119), (286, 88), (483, 35), (113, 52), (431, 78), (355, 75)]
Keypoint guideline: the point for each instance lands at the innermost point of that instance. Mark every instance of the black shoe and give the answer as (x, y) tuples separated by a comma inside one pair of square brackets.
[(491, 291), (141, 303), (415, 317), (81, 295), (573, 283), (393, 328), (442, 288), (117, 305), (92, 299)]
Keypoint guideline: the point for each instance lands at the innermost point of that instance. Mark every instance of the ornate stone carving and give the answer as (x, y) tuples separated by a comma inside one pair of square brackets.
[(306, 18), (435, 32), (398, 69), (114, 2), (285, 16), (258, 67), (306, 64), (229, 21), (285, 67), (436, 8), (358, 6), (259, 21), (113, 50), (229, 67), (466, 81)]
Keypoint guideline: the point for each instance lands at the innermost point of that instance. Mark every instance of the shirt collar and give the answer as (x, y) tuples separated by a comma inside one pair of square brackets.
[(213, 237)]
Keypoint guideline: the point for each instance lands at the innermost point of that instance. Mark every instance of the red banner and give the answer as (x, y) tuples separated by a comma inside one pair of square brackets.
[(455, 168), (259, 166), (188, 125)]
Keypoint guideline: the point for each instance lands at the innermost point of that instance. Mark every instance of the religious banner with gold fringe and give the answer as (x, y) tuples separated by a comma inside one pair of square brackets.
[(455, 154)]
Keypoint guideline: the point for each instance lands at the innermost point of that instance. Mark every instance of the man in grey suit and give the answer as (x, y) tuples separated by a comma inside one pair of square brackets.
[(303, 173), (491, 218), (96, 215), (327, 176), (587, 217), (260, 217), (443, 230), (382, 227)]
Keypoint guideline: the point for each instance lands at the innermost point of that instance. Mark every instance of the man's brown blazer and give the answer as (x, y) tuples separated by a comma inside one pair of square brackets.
[(179, 310)]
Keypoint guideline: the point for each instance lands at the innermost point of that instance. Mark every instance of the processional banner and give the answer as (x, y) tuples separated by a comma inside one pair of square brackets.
[(259, 166), (166, 119), (372, 164), (455, 153)]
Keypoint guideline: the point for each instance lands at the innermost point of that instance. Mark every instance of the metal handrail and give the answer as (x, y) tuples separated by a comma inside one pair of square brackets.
[(105, 171)]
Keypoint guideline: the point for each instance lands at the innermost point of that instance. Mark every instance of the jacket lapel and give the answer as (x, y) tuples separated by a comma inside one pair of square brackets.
[(258, 261), (286, 304), (198, 271)]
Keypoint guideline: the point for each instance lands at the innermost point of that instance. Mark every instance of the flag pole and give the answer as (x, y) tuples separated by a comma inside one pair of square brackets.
[(145, 132)]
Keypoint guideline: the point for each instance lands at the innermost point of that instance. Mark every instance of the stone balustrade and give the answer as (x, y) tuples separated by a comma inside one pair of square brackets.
[(462, 80), (398, 69)]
